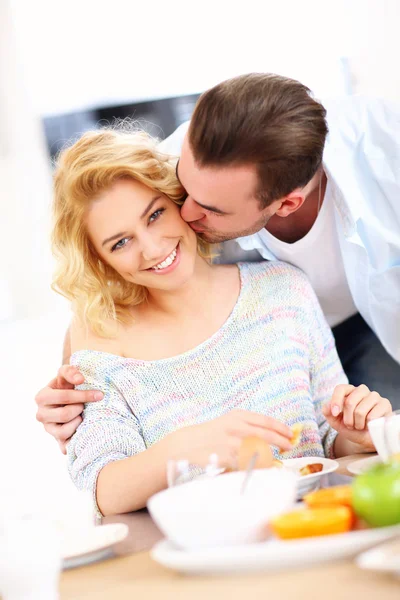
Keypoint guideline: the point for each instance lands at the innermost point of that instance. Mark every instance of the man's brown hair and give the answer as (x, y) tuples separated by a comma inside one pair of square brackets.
[(262, 119)]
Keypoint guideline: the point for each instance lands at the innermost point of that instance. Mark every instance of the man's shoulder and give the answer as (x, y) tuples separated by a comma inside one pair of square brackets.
[(336, 105), (173, 143), (230, 252), (359, 114)]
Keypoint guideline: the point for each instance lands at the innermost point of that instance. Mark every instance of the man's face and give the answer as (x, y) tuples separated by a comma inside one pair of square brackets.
[(221, 203)]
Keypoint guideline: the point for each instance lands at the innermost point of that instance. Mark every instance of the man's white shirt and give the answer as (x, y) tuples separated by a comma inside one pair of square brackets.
[(352, 253)]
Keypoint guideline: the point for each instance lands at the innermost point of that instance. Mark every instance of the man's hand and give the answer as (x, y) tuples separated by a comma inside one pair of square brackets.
[(60, 406), (350, 410)]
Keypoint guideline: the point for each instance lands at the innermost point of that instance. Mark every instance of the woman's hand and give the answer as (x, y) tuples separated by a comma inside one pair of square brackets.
[(350, 410), (223, 436)]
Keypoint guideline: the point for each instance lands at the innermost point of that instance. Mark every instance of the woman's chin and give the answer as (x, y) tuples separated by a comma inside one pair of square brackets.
[(171, 280)]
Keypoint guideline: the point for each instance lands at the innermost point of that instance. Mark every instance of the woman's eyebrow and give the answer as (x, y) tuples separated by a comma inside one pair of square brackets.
[(114, 237), (150, 206)]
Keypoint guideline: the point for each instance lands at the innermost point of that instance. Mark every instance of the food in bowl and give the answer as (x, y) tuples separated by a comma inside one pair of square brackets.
[(311, 468), (297, 429), (311, 522), (252, 445)]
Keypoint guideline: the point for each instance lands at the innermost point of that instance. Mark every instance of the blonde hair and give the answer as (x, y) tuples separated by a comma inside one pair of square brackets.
[(90, 166)]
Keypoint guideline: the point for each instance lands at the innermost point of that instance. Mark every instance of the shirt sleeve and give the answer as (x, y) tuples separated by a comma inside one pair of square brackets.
[(173, 143), (326, 371), (109, 432)]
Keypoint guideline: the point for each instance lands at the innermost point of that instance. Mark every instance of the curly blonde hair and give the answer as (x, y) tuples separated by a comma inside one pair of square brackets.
[(99, 295)]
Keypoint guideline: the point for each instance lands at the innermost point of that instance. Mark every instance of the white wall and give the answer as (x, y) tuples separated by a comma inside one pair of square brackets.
[(90, 53), (375, 62), (24, 188)]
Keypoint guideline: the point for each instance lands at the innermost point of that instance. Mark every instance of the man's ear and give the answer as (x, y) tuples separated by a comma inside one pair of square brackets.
[(291, 203)]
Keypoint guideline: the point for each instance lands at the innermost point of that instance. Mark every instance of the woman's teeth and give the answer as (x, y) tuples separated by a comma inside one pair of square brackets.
[(165, 263)]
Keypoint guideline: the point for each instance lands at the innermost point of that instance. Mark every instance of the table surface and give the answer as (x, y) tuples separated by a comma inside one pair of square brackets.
[(133, 572)]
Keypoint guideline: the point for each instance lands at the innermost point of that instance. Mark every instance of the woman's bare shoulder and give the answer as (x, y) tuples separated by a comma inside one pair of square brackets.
[(84, 338)]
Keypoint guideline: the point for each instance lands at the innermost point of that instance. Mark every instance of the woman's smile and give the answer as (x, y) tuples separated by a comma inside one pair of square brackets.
[(169, 264)]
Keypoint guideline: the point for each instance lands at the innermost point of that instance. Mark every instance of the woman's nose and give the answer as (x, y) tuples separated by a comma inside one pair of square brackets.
[(191, 211), (152, 249)]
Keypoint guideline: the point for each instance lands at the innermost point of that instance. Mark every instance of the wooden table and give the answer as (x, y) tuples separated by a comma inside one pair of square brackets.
[(135, 576)]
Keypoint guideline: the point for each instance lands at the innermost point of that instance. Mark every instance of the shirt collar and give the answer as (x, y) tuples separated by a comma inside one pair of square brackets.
[(254, 242), (339, 166)]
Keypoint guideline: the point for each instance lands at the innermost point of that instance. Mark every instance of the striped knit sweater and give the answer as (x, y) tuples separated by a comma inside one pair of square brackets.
[(274, 355)]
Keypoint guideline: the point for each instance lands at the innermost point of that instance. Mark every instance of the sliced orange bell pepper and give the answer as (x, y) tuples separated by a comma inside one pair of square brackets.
[(336, 495), (311, 522)]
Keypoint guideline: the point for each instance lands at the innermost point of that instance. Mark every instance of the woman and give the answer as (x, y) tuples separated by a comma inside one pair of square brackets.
[(191, 357)]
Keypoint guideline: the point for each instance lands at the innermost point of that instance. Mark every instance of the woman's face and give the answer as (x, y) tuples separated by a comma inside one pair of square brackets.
[(140, 233)]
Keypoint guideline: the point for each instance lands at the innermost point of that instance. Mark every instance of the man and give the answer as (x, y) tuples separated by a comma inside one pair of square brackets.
[(258, 165)]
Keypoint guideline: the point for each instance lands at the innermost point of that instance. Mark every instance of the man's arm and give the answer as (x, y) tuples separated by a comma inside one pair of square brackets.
[(59, 404)]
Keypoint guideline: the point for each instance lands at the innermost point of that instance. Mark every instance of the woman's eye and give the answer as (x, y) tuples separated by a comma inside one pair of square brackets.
[(156, 214), (120, 244)]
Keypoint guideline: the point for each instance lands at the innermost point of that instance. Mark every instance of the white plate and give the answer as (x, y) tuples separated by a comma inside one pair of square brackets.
[(384, 558), (271, 555), (307, 483), (82, 546), (363, 464)]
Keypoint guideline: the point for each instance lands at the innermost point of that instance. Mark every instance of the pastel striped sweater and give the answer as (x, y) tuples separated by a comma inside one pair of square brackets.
[(275, 355)]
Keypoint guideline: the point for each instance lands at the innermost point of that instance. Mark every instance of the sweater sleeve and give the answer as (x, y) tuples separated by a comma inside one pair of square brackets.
[(326, 371), (109, 430)]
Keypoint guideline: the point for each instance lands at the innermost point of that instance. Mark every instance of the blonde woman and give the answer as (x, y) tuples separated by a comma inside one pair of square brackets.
[(191, 357)]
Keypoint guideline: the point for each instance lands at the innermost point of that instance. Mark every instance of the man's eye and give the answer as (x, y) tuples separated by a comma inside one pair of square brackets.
[(155, 215), (120, 244), (213, 213)]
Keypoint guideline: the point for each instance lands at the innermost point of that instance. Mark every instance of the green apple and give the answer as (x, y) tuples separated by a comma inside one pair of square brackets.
[(376, 495)]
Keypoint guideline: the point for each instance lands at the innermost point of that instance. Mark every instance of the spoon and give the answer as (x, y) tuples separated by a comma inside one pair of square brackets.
[(249, 471)]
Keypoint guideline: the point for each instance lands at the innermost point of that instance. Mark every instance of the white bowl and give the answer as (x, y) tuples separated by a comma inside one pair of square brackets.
[(213, 512), (308, 483)]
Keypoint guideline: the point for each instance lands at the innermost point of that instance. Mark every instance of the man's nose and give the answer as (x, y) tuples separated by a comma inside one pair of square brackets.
[(191, 211)]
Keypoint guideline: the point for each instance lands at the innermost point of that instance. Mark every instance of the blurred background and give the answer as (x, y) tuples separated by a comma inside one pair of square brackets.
[(70, 66)]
